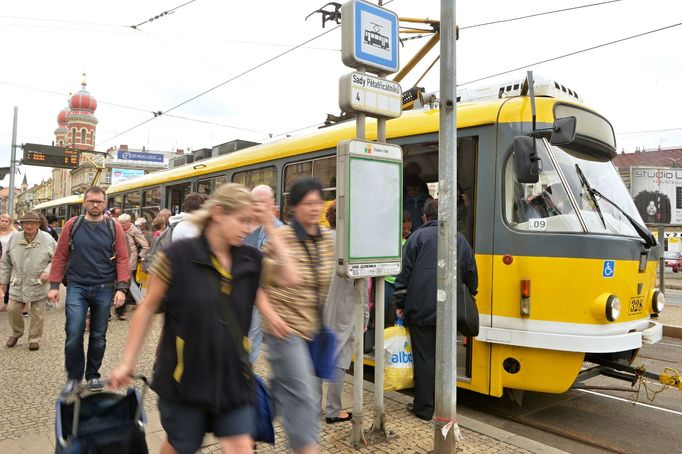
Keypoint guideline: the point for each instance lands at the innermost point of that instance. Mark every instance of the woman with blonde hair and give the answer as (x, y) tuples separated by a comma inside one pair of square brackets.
[(6, 231), (208, 286)]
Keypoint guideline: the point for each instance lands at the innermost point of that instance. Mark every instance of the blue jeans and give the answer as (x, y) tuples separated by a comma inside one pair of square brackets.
[(80, 298)]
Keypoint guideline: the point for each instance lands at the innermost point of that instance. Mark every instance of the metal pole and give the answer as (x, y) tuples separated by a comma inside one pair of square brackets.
[(378, 425), (661, 258), (446, 321), (357, 435), (12, 164)]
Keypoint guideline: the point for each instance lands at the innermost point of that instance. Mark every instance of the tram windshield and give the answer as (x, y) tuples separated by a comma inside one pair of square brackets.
[(560, 200), (600, 174)]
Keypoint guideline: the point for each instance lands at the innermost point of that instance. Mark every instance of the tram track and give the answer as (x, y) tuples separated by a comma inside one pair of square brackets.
[(564, 434)]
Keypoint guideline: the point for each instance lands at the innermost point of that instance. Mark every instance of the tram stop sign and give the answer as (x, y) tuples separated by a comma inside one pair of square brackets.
[(369, 37), (369, 208)]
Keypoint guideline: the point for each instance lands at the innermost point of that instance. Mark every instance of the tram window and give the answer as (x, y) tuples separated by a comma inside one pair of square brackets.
[(116, 201), (208, 187), (255, 177), (324, 170), (293, 172), (151, 203), (542, 206), (131, 204)]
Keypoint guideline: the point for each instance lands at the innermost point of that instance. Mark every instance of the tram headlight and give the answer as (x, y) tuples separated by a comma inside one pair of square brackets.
[(612, 308), (658, 302)]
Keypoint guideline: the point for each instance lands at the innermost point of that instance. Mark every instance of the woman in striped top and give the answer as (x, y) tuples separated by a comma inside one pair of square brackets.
[(295, 387)]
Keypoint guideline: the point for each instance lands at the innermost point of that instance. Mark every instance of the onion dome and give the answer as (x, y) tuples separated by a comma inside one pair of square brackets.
[(83, 100), (61, 117)]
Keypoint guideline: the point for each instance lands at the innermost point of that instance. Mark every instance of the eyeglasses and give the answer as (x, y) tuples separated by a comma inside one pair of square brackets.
[(95, 202)]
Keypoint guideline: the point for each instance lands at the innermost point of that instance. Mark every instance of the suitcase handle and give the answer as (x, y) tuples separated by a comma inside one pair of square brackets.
[(75, 395)]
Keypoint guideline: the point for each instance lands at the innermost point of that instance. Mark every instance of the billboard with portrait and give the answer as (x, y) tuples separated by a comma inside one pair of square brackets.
[(657, 192)]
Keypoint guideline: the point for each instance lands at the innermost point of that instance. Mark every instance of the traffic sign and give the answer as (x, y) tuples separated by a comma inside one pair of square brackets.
[(369, 37), (377, 97), (50, 156), (370, 208)]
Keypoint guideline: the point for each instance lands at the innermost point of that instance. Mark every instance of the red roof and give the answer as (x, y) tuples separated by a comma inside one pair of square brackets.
[(667, 157)]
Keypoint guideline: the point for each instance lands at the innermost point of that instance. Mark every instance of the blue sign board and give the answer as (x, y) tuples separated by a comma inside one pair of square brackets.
[(609, 269), (369, 37), (140, 156)]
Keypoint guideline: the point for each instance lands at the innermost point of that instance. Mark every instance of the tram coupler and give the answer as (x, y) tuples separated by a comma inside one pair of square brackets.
[(670, 377)]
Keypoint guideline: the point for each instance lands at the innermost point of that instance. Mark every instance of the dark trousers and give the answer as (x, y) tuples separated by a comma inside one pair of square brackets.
[(423, 339)]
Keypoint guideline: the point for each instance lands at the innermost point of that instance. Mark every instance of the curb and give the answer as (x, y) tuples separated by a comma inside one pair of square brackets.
[(473, 424), (672, 331)]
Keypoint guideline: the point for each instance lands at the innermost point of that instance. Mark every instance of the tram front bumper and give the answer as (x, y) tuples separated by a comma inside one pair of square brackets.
[(572, 342), (653, 333)]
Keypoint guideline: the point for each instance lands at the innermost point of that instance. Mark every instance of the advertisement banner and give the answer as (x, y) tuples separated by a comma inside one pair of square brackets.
[(657, 192), (126, 155), (119, 175)]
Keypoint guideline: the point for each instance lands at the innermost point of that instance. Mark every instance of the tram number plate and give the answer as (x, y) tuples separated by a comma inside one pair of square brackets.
[(636, 306)]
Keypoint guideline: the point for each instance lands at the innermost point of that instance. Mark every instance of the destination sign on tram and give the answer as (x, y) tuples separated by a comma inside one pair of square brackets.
[(50, 156)]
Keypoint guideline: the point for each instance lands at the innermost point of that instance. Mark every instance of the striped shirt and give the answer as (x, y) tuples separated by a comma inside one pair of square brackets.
[(300, 306)]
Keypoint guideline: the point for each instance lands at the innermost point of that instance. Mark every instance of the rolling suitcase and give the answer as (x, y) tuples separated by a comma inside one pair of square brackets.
[(101, 423)]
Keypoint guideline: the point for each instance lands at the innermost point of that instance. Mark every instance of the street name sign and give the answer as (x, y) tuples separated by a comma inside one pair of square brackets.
[(359, 92), (369, 208), (369, 37)]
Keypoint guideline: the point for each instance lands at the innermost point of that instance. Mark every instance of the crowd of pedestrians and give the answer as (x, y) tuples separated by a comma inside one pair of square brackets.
[(228, 276)]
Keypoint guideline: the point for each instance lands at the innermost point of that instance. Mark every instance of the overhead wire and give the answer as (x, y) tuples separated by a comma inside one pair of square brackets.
[(649, 131), (528, 16), (139, 109), (162, 14), (587, 49), (243, 73)]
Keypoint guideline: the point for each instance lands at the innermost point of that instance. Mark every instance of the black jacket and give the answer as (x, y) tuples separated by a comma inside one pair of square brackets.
[(198, 361), (415, 286)]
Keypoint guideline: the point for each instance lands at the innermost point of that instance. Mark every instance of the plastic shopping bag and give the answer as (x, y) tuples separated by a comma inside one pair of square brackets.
[(398, 359)]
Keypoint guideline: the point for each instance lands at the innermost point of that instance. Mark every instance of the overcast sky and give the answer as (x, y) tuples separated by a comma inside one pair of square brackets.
[(47, 45)]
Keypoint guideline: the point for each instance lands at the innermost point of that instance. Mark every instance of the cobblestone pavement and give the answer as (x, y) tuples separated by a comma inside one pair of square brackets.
[(31, 382)]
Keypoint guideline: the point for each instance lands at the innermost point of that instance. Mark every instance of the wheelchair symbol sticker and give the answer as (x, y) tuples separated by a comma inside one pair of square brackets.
[(609, 268)]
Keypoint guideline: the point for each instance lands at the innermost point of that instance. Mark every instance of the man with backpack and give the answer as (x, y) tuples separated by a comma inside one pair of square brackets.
[(92, 258)]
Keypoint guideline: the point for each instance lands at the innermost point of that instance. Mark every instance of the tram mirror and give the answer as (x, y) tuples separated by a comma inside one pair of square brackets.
[(563, 132), (526, 160)]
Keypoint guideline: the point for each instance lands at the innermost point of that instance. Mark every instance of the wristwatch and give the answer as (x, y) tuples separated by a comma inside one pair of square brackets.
[(122, 287)]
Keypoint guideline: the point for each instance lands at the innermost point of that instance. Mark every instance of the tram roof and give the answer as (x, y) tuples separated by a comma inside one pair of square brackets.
[(71, 199), (413, 122)]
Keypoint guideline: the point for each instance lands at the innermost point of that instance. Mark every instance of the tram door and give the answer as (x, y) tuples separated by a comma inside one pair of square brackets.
[(422, 159), (175, 196), (466, 202)]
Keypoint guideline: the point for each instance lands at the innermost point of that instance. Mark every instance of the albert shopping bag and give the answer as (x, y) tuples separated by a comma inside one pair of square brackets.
[(398, 358)]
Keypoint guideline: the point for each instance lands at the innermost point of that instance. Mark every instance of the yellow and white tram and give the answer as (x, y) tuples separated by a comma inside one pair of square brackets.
[(64, 208), (564, 276)]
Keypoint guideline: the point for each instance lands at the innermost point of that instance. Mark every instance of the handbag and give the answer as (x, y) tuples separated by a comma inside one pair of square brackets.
[(322, 352), (323, 345), (467, 313), (265, 412)]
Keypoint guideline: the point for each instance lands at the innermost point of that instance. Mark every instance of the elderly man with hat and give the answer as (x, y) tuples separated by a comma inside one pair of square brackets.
[(25, 268)]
